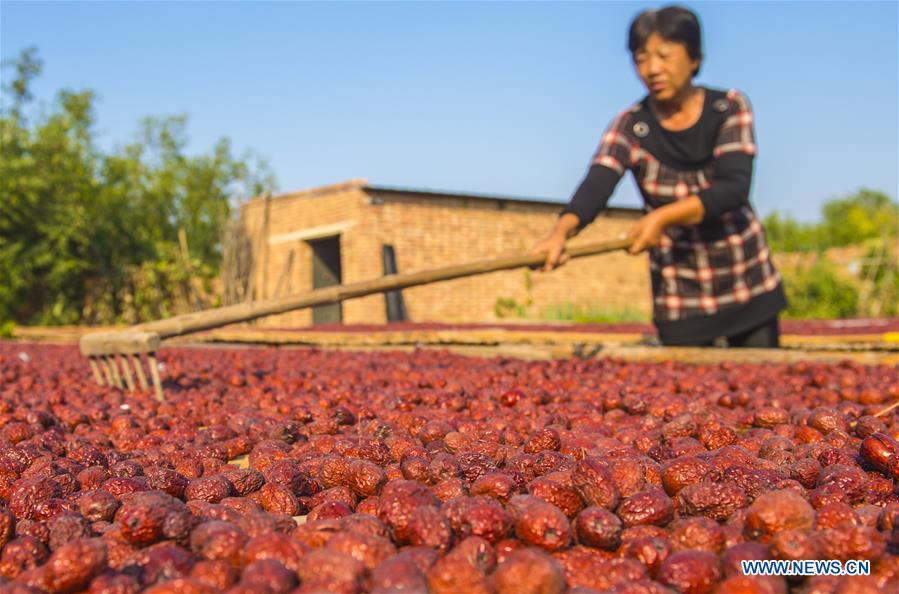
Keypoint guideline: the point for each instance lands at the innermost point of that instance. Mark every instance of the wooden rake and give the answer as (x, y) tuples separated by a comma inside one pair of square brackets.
[(113, 354)]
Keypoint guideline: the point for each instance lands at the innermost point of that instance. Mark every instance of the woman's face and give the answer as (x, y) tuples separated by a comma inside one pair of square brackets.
[(665, 67)]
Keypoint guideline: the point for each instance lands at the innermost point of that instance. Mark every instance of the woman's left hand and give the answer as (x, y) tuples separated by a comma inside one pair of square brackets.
[(646, 232)]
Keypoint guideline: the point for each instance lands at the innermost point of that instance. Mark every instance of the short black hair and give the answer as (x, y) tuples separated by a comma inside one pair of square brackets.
[(672, 23)]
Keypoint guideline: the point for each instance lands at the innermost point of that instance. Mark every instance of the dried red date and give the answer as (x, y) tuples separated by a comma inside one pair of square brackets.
[(67, 527), (215, 574), (368, 549), (543, 439), (280, 547), (684, 471), (218, 541), (399, 499), (365, 478), (483, 517), (690, 572), (334, 471), (651, 551), (267, 575), (429, 528), (594, 483), (21, 554), (278, 499), (847, 542), (543, 525), (651, 507), (325, 566), (29, 493), (499, 485), (564, 497), (7, 527), (74, 565), (98, 505), (453, 574), (529, 571), (776, 511), (598, 527), (714, 500), (701, 534)]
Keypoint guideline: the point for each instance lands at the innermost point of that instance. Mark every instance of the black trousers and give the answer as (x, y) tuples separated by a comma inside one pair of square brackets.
[(763, 336)]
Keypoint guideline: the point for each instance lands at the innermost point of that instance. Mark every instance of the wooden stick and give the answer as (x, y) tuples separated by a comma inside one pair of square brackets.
[(887, 409), (94, 368), (205, 320), (116, 378), (154, 372), (129, 379), (104, 364), (139, 368)]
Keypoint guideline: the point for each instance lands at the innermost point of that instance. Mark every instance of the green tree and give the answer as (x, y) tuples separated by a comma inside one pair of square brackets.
[(87, 236), (862, 216), (785, 234), (854, 219), (818, 292)]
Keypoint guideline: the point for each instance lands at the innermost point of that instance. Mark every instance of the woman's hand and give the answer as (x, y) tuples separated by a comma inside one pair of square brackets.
[(553, 245), (646, 232)]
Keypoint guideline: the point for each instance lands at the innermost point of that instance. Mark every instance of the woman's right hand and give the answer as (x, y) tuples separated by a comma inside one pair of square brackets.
[(553, 245)]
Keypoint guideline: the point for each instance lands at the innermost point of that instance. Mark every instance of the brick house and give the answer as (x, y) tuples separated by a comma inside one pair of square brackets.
[(355, 231)]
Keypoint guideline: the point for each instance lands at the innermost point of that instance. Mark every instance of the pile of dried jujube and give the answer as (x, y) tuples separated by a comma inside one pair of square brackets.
[(432, 472)]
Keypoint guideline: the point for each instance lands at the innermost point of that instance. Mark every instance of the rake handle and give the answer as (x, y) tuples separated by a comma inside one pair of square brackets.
[(205, 320)]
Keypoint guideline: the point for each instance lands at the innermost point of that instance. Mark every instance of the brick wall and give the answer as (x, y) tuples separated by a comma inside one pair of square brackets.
[(429, 231)]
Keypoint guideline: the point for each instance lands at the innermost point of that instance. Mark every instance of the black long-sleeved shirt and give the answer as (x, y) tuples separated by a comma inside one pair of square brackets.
[(715, 278), (687, 149)]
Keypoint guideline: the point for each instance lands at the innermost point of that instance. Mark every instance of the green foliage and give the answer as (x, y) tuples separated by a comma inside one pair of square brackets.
[(865, 215), (87, 236), (785, 234), (509, 307), (818, 292), (580, 314), (867, 218), (881, 272)]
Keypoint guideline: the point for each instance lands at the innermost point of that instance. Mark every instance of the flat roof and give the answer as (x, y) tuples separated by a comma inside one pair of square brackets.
[(363, 184), (490, 197)]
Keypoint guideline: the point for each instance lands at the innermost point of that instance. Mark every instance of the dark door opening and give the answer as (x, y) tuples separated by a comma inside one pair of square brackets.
[(396, 305), (326, 273)]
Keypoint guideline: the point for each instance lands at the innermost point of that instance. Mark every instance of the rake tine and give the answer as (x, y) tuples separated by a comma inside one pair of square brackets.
[(129, 379), (98, 377), (114, 365), (104, 365), (154, 371), (139, 368)]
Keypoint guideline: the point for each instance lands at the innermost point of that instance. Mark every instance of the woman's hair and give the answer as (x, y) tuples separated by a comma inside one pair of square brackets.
[(672, 23)]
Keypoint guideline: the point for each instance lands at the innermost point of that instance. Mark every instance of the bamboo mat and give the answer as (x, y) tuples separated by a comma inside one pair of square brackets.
[(869, 348)]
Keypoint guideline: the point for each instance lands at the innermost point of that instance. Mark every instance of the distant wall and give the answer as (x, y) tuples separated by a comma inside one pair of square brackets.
[(429, 231)]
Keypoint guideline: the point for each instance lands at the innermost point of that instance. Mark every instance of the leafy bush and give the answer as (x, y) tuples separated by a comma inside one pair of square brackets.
[(819, 292), (93, 237), (862, 216), (592, 314)]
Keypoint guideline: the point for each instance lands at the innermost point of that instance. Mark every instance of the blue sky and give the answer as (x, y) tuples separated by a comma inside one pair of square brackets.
[(499, 98)]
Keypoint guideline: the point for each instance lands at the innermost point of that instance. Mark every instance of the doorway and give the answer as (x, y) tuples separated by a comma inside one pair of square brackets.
[(326, 273)]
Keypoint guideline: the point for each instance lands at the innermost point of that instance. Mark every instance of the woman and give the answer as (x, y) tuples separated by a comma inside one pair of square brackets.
[(690, 149)]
